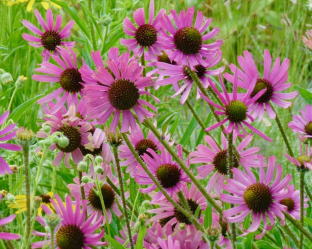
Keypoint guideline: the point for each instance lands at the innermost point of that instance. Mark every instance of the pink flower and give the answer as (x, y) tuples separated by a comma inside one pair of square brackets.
[(192, 239), (72, 127), (94, 207), (292, 202), (168, 243), (117, 92), (6, 134), (304, 161), (216, 160), (141, 144), (74, 229), (236, 110), (51, 37), (4, 221), (187, 40), (180, 72), (169, 174), (261, 198), (194, 199), (303, 123), (225, 231), (146, 35), (273, 82), (66, 74)]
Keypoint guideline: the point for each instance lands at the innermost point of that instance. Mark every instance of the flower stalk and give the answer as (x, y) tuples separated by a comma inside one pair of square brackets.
[(301, 172)]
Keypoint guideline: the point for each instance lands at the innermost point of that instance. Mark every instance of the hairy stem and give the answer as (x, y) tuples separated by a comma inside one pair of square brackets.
[(301, 206), (291, 234), (298, 225), (123, 199), (183, 166), (52, 238)]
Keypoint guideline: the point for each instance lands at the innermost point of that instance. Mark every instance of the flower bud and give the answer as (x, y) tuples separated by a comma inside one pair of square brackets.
[(47, 229), (99, 159), (55, 139), (85, 179), (25, 136), (6, 78), (52, 220), (47, 142), (113, 139), (10, 197), (37, 202), (82, 166), (14, 169), (143, 218), (3, 192), (99, 170), (213, 233), (63, 142), (46, 129), (20, 81), (106, 20), (182, 226), (1, 71)]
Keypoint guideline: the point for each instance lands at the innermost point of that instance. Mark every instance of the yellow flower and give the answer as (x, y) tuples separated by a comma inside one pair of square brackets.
[(21, 202), (45, 3)]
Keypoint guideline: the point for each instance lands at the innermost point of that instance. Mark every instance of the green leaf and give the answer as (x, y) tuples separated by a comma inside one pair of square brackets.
[(202, 132), (208, 216), (133, 191), (175, 125), (308, 221), (188, 132), (113, 38), (93, 20), (262, 244), (277, 236), (248, 240), (113, 242), (246, 222), (307, 95), (166, 122), (139, 242)]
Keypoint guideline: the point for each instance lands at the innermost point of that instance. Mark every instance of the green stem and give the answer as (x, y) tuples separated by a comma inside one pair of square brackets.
[(83, 196), (91, 26), (99, 189), (299, 226), (52, 238), (279, 124), (44, 153), (32, 226), (291, 234), (143, 65), (134, 205), (183, 166), (11, 100), (301, 206), (176, 205), (184, 201), (26, 161), (123, 199)]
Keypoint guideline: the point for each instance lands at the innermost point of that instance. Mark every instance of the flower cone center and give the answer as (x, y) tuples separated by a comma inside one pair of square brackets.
[(50, 40), (45, 199), (70, 80), (164, 221), (258, 197), (108, 196), (181, 217), (236, 111), (308, 128), (74, 138), (165, 58), (220, 161), (144, 144), (260, 85), (146, 35), (69, 237), (289, 203), (168, 175), (188, 40), (123, 94)]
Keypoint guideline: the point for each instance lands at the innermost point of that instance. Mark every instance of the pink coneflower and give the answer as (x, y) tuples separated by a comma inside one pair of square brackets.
[(72, 127), (109, 196), (180, 72), (303, 123), (66, 74), (224, 229), (169, 174), (304, 161), (75, 230), (146, 35), (308, 40), (168, 243), (216, 160), (273, 82), (194, 199), (4, 221), (187, 40), (118, 90), (236, 110), (261, 198), (192, 239), (141, 144), (113, 55), (292, 202), (6, 134), (51, 37)]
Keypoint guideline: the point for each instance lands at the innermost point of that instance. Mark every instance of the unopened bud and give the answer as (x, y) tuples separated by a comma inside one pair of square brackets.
[(10, 197), (3, 192), (182, 226), (114, 139), (6, 78), (82, 166), (55, 139), (143, 217), (106, 20), (37, 202), (14, 168), (20, 81), (213, 233), (85, 179), (63, 142), (99, 159), (99, 170), (47, 229), (25, 136), (46, 129), (52, 220), (47, 142)]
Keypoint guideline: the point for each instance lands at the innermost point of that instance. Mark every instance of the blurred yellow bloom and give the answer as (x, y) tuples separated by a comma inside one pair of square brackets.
[(45, 3)]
